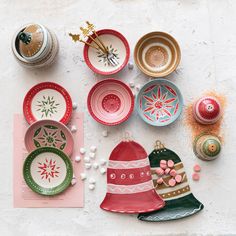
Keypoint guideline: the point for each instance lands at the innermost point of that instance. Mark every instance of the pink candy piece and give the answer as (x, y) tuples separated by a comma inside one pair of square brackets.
[(172, 182), (173, 173), (163, 162), (195, 176), (167, 171), (178, 178), (160, 171), (197, 168), (160, 181), (163, 166), (170, 164)]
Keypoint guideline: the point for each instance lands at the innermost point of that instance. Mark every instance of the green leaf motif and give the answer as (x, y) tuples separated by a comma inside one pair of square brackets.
[(50, 126), (37, 132), (62, 146), (37, 144), (63, 135)]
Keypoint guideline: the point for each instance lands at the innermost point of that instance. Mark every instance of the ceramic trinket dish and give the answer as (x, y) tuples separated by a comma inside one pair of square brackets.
[(48, 171), (171, 183), (159, 102), (34, 46), (115, 43), (207, 147), (129, 183), (207, 110), (157, 54), (49, 133), (47, 101), (110, 102)]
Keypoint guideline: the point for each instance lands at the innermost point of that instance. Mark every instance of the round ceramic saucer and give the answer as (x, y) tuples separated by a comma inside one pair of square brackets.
[(49, 133), (159, 102), (157, 54), (110, 102), (116, 44), (47, 171), (47, 101)]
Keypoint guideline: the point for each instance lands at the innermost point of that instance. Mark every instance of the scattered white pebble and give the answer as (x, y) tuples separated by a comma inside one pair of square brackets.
[(77, 158), (87, 159), (82, 150), (104, 133), (103, 170), (73, 182), (92, 180), (88, 165), (131, 84), (83, 176), (74, 105), (103, 162), (91, 186), (95, 165), (131, 65), (93, 148), (73, 129), (138, 87), (92, 155)]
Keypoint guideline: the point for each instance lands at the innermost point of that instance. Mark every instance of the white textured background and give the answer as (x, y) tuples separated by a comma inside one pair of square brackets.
[(206, 32)]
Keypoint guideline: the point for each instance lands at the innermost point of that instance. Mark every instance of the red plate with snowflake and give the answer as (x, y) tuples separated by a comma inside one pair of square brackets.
[(159, 102), (47, 101), (110, 102), (48, 171)]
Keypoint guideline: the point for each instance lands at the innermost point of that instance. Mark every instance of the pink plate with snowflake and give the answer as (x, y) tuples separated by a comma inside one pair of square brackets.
[(159, 102), (110, 102), (47, 101), (49, 133), (48, 171)]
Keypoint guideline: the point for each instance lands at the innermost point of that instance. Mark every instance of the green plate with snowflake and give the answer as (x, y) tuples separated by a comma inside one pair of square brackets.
[(48, 171)]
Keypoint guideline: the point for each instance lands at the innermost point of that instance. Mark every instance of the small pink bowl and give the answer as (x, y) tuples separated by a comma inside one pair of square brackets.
[(110, 102), (116, 43)]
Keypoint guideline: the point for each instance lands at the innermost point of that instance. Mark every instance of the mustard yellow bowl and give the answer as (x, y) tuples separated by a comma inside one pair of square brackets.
[(157, 54)]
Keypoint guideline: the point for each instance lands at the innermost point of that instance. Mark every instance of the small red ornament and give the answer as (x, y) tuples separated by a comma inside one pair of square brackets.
[(207, 110)]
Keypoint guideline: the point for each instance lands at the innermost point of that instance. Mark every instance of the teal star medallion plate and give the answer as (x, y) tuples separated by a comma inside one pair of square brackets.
[(159, 102)]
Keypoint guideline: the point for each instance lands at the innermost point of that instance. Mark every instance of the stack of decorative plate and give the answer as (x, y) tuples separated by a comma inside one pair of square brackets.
[(47, 169)]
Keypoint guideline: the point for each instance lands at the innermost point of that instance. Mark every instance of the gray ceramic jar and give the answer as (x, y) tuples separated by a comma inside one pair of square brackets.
[(34, 46)]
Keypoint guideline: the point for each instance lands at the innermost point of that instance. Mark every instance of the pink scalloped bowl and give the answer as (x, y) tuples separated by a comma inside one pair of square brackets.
[(110, 102)]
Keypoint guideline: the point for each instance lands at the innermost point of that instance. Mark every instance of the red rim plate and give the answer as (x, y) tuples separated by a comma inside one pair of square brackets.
[(122, 38), (110, 102), (50, 108)]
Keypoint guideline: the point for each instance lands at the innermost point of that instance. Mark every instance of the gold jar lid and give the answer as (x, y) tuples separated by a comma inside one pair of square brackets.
[(32, 41)]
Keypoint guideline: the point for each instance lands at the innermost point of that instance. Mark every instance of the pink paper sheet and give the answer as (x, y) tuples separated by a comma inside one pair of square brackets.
[(22, 194)]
